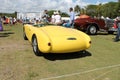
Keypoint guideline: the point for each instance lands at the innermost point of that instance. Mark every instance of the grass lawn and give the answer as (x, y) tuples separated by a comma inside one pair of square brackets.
[(18, 62)]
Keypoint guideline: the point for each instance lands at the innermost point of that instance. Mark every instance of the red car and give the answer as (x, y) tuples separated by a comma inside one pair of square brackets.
[(92, 25)]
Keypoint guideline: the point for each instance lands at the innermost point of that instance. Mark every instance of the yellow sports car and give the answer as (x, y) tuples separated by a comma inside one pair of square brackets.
[(55, 39)]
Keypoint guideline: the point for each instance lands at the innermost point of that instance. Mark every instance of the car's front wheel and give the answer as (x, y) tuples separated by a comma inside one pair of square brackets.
[(35, 46)]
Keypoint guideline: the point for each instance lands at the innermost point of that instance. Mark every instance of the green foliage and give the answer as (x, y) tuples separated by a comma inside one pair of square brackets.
[(50, 12), (63, 14), (77, 9), (110, 9), (9, 14)]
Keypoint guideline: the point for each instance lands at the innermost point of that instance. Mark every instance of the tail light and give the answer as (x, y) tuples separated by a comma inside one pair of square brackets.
[(49, 44)]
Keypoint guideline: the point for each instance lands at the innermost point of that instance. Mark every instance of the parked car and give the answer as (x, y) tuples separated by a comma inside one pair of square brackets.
[(55, 39), (93, 25), (115, 24)]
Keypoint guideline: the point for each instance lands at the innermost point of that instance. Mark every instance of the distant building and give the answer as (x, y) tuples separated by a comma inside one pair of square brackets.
[(30, 15)]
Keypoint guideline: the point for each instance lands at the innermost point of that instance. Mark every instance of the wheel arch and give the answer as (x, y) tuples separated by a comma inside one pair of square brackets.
[(37, 50), (95, 24), (24, 34), (89, 26), (43, 41), (34, 35)]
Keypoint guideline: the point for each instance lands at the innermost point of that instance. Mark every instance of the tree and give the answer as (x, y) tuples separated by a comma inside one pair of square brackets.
[(77, 9), (118, 8), (63, 14), (110, 9), (99, 12), (91, 10), (50, 12), (83, 11)]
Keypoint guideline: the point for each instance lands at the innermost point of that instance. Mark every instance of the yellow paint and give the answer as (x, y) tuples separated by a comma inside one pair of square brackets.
[(62, 40)]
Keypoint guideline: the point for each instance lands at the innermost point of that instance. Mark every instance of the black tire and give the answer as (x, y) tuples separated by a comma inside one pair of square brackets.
[(92, 29), (24, 36), (77, 27), (110, 32), (35, 46)]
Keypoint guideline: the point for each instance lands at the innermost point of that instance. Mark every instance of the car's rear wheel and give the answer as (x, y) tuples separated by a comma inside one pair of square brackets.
[(110, 32), (92, 29), (77, 27), (35, 46)]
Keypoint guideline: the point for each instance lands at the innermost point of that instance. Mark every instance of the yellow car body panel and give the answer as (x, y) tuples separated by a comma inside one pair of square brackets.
[(58, 39)]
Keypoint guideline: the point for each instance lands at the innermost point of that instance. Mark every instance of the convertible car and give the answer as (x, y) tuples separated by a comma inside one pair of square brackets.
[(55, 39)]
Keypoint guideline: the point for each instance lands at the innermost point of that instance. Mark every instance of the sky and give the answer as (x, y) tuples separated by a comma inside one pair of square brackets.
[(10, 6)]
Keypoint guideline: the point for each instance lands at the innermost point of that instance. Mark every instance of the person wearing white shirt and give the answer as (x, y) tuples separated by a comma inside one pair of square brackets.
[(53, 18), (72, 17), (58, 20), (71, 21)]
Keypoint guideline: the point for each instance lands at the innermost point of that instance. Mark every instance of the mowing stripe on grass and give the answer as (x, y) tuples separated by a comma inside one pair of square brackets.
[(103, 74), (73, 74)]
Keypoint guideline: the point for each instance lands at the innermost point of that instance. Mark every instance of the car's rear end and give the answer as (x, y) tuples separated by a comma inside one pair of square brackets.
[(115, 26), (64, 40), (110, 25)]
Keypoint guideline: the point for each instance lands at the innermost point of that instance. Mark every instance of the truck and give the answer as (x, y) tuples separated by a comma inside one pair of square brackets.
[(93, 25)]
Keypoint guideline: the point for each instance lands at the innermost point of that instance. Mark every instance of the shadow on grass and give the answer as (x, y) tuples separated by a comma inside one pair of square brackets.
[(106, 33), (66, 56), (102, 33), (5, 34)]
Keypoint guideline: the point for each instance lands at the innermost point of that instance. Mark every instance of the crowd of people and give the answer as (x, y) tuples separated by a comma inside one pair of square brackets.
[(54, 19), (57, 20), (8, 20)]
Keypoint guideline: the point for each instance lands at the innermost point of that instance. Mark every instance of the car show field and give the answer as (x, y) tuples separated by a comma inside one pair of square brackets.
[(18, 62)]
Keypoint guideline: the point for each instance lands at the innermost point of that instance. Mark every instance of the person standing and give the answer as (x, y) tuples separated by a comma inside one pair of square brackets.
[(72, 17), (118, 30), (71, 21), (53, 18), (1, 27), (58, 20), (45, 16)]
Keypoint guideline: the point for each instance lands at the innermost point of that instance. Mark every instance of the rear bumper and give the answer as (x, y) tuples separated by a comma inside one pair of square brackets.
[(112, 29), (70, 45)]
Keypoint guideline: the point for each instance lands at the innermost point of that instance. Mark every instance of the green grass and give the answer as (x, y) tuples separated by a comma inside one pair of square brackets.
[(18, 62)]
